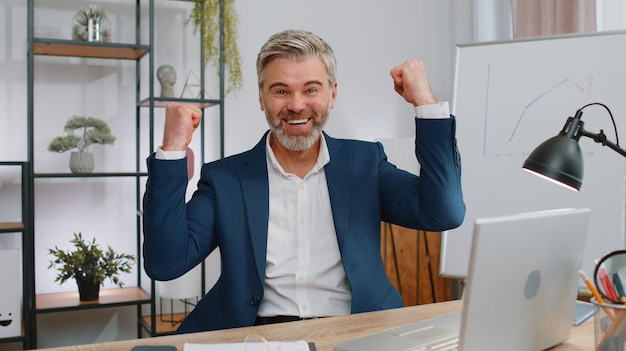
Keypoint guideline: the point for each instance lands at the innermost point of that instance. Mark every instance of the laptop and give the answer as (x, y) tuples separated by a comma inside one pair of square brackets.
[(520, 293)]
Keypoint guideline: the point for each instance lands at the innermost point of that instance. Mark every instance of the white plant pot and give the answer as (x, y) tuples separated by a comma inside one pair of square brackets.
[(81, 162)]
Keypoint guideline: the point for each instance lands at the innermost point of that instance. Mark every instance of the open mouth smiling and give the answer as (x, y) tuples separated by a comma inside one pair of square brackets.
[(298, 121)]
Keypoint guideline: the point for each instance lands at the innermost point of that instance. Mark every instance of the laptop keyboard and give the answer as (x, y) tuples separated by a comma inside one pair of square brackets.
[(451, 344)]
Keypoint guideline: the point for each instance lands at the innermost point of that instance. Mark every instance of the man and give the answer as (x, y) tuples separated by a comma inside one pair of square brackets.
[(297, 217)]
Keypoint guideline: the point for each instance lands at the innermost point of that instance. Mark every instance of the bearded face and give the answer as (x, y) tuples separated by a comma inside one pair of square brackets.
[(296, 98), (298, 139)]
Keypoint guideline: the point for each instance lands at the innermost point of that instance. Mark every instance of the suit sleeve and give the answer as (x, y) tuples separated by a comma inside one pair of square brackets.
[(175, 238), (433, 200)]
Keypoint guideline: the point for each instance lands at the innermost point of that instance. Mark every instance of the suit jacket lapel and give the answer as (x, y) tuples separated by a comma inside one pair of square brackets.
[(254, 182), (338, 180)]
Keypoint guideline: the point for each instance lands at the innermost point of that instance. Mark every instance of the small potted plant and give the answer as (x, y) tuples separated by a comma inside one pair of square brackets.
[(89, 265), (91, 131)]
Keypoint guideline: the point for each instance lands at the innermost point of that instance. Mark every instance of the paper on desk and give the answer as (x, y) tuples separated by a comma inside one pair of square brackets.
[(299, 345)]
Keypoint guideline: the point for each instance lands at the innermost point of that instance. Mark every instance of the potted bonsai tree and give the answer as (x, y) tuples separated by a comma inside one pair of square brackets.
[(91, 130), (89, 265)]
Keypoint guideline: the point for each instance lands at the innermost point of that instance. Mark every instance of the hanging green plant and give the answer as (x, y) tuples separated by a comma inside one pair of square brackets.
[(205, 17)]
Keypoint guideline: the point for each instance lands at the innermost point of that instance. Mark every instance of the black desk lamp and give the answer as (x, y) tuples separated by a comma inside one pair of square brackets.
[(559, 158)]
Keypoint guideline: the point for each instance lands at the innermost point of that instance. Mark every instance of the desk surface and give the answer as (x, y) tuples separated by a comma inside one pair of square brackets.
[(328, 331)]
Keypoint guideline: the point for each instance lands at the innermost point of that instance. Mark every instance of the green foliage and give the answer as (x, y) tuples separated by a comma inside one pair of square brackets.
[(89, 262), (92, 131), (205, 17)]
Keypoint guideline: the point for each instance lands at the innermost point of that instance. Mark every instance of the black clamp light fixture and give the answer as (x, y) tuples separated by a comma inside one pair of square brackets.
[(559, 158)]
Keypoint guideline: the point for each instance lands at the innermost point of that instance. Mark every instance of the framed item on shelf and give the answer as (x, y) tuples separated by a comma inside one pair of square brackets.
[(10, 294)]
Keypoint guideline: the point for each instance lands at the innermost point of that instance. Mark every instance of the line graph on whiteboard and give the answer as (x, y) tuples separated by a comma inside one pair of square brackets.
[(514, 130)]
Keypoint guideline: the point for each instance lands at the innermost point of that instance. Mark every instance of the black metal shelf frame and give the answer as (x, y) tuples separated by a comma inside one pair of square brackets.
[(116, 51)]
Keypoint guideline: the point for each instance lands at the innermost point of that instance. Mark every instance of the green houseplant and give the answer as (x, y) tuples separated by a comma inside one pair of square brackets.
[(205, 16), (89, 265), (91, 130)]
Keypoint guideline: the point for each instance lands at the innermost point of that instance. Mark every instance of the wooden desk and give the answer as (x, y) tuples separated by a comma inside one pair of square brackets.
[(328, 331)]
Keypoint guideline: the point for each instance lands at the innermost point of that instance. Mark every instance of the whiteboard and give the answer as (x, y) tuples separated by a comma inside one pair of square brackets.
[(510, 96)]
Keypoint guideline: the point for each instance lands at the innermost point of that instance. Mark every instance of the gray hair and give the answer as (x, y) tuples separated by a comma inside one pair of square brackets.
[(295, 45)]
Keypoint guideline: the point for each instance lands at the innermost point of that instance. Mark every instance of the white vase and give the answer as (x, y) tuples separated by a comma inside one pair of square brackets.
[(81, 162)]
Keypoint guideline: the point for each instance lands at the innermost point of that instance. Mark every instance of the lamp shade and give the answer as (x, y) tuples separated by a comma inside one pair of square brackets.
[(558, 159)]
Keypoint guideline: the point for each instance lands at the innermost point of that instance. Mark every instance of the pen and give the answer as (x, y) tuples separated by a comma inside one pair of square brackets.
[(605, 280), (596, 294), (619, 287)]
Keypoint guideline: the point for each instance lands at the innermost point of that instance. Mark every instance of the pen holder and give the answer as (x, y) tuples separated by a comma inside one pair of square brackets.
[(609, 326)]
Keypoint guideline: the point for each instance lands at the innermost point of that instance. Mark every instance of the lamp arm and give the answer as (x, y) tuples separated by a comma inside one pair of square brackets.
[(601, 139)]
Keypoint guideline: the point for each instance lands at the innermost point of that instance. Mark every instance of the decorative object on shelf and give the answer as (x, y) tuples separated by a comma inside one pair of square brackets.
[(205, 17), (185, 290), (93, 131), (193, 87), (89, 265), (91, 25), (82, 162), (10, 303), (167, 77)]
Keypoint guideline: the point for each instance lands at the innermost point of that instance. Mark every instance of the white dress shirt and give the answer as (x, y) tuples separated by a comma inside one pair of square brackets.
[(304, 275)]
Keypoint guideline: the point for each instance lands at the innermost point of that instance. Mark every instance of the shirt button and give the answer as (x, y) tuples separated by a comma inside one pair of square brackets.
[(303, 221)]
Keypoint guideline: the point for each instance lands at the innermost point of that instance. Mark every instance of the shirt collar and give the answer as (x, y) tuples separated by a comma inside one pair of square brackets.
[(323, 158)]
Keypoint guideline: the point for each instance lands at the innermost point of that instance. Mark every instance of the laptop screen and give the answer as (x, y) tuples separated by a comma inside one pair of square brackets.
[(522, 280)]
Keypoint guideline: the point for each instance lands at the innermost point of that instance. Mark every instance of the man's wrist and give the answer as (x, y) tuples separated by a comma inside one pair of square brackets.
[(439, 110), (161, 154)]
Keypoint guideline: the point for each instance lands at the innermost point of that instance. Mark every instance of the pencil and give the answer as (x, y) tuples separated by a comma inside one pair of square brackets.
[(596, 294)]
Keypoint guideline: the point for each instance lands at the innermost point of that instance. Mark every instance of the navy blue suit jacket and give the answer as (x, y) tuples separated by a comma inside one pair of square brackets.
[(230, 210)]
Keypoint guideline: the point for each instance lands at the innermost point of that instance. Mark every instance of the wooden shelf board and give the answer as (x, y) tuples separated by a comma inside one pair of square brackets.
[(11, 226), (164, 327), (9, 339), (57, 302), (15, 338), (89, 50)]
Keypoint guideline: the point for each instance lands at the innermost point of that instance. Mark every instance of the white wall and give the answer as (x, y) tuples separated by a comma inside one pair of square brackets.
[(369, 38), (610, 15)]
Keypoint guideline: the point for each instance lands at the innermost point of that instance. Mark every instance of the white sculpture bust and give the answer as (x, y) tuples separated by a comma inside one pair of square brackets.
[(167, 77)]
